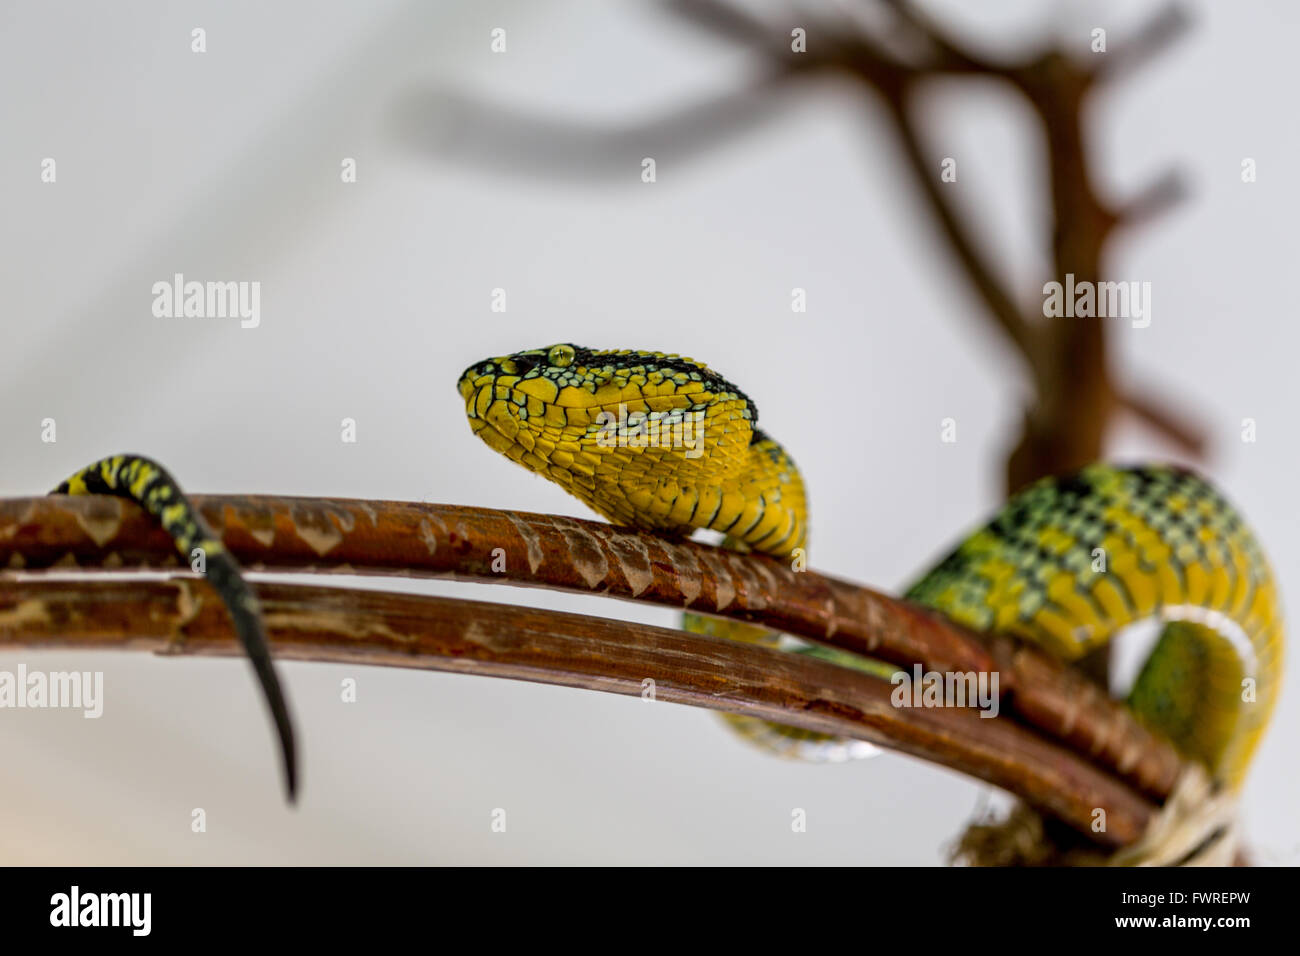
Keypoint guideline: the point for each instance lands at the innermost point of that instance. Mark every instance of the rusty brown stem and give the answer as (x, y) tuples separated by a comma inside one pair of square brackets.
[(385, 537), (184, 616)]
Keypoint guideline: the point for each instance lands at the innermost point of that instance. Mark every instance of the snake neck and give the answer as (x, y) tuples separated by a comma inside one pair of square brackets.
[(771, 503), (757, 501)]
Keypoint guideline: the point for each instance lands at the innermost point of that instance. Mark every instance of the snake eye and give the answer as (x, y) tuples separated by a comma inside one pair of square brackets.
[(561, 356)]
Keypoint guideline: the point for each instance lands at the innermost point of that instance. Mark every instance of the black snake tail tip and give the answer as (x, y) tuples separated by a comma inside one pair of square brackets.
[(226, 579)]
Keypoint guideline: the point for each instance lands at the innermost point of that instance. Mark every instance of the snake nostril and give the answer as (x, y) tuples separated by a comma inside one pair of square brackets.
[(524, 365)]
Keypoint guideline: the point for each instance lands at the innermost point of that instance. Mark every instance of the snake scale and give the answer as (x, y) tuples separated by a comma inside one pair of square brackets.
[(660, 442)]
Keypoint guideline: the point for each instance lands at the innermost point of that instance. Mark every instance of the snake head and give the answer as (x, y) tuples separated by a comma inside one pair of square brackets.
[(503, 393), (612, 427)]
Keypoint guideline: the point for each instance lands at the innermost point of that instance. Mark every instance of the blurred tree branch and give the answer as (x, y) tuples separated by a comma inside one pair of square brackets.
[(1075, 398)]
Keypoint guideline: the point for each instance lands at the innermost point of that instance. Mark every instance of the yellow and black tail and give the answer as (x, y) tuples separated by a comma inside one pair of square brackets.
[(149, 485)]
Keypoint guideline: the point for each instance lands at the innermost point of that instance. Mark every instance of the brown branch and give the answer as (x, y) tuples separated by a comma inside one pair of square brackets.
[(488, 135), (1154, 201), (1156, 415), (472, 637), (368, 537), (1006, 314), (729, 22), (1142, 47), (949, 56)]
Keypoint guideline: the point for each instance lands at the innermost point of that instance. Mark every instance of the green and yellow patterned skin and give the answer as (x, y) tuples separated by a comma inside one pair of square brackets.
[(1066, 564), (1070, 561), (149, 485), (543, 409)]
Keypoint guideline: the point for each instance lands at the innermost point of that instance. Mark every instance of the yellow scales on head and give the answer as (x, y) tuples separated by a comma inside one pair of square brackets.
[(648, 440)]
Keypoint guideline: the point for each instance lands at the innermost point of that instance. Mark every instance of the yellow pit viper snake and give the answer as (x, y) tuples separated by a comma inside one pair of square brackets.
[(661, 442)]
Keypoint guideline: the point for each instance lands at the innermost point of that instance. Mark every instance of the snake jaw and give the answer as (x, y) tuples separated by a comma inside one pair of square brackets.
[(466, 385)]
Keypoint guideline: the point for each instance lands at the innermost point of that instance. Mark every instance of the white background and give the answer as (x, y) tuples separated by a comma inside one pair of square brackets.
[(375, 296)]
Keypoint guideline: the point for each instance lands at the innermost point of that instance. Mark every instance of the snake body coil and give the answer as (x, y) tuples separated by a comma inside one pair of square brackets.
[(1066, 564)]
